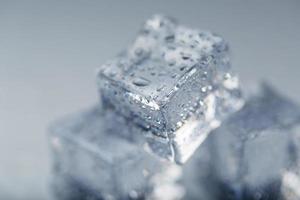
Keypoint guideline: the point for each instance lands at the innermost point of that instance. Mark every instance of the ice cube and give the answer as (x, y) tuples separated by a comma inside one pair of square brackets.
[(164, 77), (64, 187), (253, 147), (181, 144), (103, 156), (290, 187), (198, 177)]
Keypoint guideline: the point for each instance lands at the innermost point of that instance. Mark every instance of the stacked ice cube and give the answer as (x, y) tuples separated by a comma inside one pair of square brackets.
[(160, 98), (255, 152), (162, 101), (175, 83)]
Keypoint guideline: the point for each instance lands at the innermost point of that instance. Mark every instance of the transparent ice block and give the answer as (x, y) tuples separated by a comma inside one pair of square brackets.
[(164, 77), (97, 154), (252, 148)]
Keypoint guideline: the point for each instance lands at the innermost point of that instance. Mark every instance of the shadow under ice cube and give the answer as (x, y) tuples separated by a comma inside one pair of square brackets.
[(254, 147), (97, 152)]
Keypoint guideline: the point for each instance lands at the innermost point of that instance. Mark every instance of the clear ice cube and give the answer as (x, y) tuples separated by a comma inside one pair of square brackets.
[(98, 150), (252, 148), (163, 78)]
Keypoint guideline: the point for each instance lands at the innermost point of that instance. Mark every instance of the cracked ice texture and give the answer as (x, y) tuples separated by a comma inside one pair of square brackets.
[(254, 147), (97, 157), (166, 75)]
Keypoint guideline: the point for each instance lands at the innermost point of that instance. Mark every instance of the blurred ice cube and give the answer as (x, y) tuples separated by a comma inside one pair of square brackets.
[(198, 178), (290, 187), (252, 148), (99, 153), (64, 187), (97, 157), (164, 77)]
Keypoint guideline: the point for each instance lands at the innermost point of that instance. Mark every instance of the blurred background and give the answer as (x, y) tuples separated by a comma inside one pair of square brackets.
[(49, 51)]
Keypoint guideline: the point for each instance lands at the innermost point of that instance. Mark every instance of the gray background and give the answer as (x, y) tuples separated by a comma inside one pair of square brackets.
[(49, 52)]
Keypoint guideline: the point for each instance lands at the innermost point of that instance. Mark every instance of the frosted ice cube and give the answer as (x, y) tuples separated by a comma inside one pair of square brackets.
[(253, 147), (166, 74), (98, 151)]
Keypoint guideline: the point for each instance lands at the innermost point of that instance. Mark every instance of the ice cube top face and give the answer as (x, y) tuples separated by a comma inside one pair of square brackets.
[(165, 74), (97, 149), (253, 145)]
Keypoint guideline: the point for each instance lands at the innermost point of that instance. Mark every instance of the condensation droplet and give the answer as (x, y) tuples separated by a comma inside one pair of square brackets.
[(170, 38), (179, 124), (174, 76), (140, 81), (160, 88), (138, 51)]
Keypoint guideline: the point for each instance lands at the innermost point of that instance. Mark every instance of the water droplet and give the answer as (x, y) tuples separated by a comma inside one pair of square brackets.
[(158, 121), (160, 88), (170, 38), (179, 124), (138, 51), (185, 57), (204, 89), (201, 103), (163, 73), (227, 76), (140, 81), (177, 86), (153, 73), (174, 75), (172, 62), (204, 75)]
